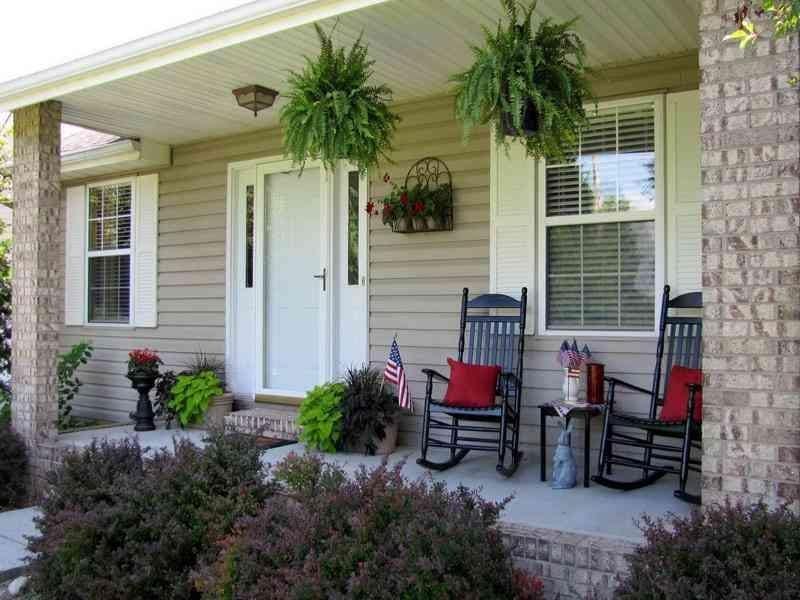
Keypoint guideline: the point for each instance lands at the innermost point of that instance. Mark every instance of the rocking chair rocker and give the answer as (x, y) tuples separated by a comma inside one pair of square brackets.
[(494, 339), (682, 335)]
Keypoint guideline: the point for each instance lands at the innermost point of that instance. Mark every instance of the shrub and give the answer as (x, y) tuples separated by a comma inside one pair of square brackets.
[(367, 409), (320, 417), (376, 536), (68, 382), (13, 463), (730, 552), (120, 525), (5, 406), (192, 394)]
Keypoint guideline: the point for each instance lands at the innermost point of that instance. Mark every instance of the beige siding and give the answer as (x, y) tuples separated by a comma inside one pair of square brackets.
[(415, 283), (191, 275)]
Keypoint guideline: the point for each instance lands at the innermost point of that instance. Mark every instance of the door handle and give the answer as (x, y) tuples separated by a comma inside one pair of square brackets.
[(323, 276)]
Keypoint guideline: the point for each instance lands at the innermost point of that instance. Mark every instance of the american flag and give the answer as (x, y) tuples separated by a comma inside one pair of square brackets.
[(396, 374)]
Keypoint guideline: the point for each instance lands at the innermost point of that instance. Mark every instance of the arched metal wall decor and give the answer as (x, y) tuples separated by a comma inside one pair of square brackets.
[(429, 186)]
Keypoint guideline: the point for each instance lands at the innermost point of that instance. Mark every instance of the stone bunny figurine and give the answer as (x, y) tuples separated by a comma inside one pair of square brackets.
[(565, 471)]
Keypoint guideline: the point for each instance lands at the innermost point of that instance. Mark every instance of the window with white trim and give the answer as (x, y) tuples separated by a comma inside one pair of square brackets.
[(109, 252), (598, 225)]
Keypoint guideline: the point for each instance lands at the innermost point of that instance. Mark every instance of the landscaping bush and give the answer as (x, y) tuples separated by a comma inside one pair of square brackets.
[(376, 536), (729, 552), (122, 523), (13, 464)]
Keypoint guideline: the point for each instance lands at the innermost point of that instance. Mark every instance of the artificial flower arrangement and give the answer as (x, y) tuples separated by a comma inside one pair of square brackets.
[(143, 362), (420, 207)]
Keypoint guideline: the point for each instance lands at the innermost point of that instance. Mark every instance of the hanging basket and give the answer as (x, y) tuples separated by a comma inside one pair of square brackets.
[(433, 174)]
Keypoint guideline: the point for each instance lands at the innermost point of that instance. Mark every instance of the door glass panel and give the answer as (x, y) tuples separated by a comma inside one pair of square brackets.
[(249, 236), (352, 227)]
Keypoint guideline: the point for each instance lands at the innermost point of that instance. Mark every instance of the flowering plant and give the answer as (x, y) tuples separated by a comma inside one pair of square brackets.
[(143, 362), (420, 201)]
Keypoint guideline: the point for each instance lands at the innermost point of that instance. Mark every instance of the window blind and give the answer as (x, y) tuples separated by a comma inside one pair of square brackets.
[(600, 266), (601, 276), (613, 169)]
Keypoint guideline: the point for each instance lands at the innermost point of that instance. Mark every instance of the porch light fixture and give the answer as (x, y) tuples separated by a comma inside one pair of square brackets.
[(255, 97)]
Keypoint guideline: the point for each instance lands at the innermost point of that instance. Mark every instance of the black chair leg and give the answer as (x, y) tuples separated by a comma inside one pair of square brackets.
[(453, 437), (686, 452)]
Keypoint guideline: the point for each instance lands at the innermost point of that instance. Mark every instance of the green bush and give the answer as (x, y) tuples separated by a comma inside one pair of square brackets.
[(320, 417), (192, 394), (68, 382), (5, 407), (13, 463), (374, 537), (725, 552), (122, 525)]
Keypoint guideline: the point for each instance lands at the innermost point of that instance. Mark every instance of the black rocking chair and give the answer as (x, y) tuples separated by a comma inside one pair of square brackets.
[(682, 336), (493, 338)]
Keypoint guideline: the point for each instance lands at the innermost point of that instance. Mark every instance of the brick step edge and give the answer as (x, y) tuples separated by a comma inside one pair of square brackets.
[(272, 424)]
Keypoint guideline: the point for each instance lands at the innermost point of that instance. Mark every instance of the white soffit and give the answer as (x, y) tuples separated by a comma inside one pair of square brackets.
[(416, 44)]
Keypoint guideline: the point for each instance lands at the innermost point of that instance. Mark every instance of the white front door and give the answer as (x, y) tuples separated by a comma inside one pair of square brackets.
[(295, 272), (297, 264)]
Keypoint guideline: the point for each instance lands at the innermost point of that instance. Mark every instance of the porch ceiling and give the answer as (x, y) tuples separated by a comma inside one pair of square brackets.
[(417, 45)]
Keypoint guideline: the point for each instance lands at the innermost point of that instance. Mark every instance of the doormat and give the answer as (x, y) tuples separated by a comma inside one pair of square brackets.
[(266, 443)]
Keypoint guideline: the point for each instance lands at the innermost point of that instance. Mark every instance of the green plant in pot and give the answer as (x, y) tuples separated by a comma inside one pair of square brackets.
[(320, 417), (192, 394), (527, 83), (370, 412), (334, 113)]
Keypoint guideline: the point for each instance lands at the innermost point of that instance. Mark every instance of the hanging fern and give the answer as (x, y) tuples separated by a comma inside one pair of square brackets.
[(518, 68), (333, 113)]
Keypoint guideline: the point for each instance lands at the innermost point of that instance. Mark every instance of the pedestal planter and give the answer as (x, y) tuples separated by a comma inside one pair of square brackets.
[(143, 416)]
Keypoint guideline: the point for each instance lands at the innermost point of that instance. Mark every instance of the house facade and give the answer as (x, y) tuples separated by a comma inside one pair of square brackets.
[(193, 232)]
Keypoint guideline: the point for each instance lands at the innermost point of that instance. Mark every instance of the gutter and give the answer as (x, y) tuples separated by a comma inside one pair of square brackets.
[(253, 20)]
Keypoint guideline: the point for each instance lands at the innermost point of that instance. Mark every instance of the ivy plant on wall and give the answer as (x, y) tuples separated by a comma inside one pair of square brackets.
[(527, 83), (334, 112)]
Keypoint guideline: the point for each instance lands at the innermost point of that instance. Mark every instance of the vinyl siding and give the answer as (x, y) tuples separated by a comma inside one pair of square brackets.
[(415, 280), (191, 275)]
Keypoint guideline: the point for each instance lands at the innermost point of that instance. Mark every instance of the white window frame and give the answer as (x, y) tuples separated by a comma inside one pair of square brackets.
[(130, 252), (656, 214)]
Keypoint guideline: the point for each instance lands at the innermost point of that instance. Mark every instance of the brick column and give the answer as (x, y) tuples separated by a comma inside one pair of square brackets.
[(38, 279), (751, 262)]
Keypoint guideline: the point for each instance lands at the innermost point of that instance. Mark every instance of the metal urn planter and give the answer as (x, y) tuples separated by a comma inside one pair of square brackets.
[(143, 416)]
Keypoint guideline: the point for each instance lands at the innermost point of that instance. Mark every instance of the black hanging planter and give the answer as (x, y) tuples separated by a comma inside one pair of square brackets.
[(530, 122), (143, 417)]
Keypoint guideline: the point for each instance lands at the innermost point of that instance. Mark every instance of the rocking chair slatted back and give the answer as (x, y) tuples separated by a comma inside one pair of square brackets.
[(682, 336), (493, 339)]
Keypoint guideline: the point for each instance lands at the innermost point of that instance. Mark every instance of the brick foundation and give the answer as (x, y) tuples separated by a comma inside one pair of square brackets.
[(750, 131)]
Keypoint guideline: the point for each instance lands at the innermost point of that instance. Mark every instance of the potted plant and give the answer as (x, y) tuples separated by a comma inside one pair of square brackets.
[(143, 366), (192, 396), (421, 207), (334, 113), (528, 84), (369, 413), (320, 417)]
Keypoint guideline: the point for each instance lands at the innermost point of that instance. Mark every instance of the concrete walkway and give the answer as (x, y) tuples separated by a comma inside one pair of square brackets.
[(15, 525)]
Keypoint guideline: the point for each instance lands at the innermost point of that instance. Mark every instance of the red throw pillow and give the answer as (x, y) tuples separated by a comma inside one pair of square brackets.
[(471, 386), (676, 398)]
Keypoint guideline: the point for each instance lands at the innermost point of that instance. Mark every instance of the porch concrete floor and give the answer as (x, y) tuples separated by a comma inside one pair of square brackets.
[(595, 510), (15, 525)]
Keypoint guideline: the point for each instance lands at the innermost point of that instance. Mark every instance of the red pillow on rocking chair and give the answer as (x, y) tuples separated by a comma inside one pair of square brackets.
[(676, 396), (471, 386)]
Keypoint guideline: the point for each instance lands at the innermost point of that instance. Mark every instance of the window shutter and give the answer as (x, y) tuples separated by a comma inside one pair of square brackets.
[(683, 193), (75, 257), (145, 284), (512, 208)]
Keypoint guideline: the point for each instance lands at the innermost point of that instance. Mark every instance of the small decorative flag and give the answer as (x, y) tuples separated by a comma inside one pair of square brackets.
[(395, 373)]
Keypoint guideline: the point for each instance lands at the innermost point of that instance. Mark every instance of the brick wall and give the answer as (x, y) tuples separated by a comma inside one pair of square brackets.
[(38, 277), (751, 276)]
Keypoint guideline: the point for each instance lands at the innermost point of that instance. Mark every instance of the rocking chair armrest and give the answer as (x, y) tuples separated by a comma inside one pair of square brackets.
[(431, 373), (630, 386)]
